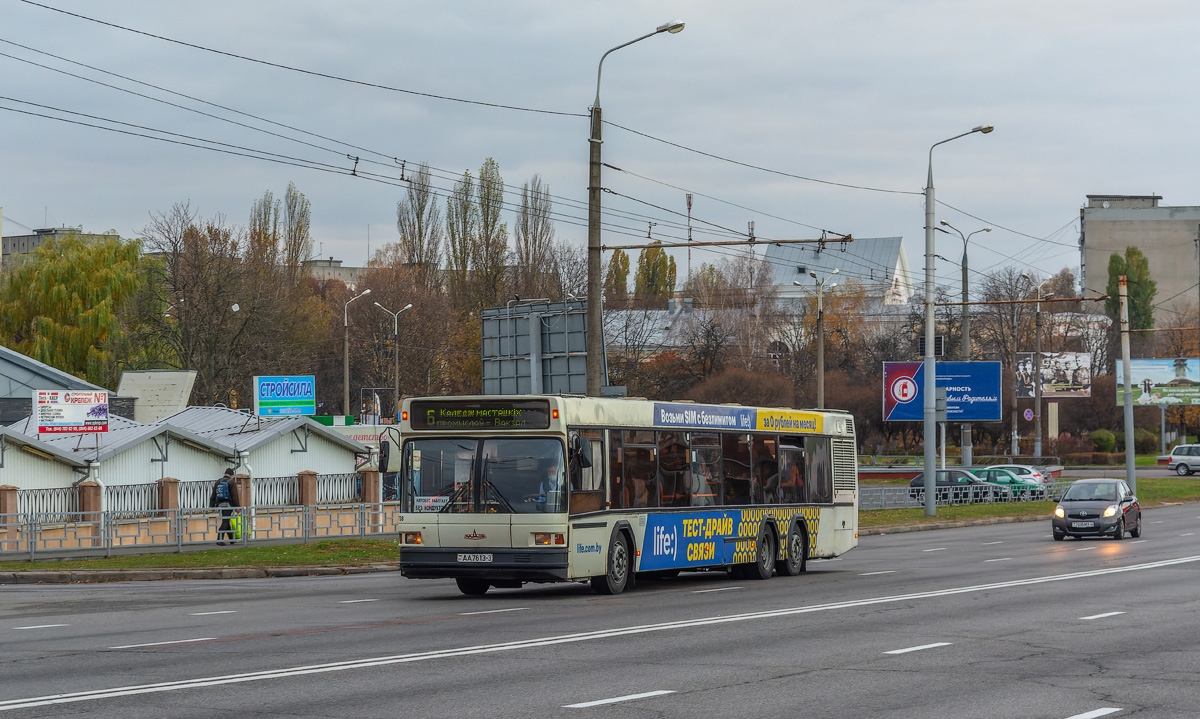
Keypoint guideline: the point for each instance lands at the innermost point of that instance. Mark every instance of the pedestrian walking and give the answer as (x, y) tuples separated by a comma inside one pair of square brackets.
[(225, 497)]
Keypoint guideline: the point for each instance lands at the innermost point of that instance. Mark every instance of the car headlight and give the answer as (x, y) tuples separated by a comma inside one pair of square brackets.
[(1058, 512), (1110, 510)]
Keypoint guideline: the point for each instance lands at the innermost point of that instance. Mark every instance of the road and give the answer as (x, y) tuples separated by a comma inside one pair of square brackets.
[(991, 621)]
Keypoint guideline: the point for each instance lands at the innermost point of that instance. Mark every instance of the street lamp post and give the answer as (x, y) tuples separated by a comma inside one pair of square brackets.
[(1037, 373), (396, 350), (346, 350), (595, 318), (929, 368), (965, 440), (821, 334)]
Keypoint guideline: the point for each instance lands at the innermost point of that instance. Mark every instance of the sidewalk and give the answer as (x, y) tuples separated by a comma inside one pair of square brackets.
[(84, 576)]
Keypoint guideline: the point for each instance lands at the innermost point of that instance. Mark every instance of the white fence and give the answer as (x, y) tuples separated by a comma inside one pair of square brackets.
[(130, 500), (336, 488), (195, 495), (275, 491), (57, 501)]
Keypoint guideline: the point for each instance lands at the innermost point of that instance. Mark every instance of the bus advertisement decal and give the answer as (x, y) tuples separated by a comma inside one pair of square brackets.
[(782, 420), (703, 416), (697, 539)]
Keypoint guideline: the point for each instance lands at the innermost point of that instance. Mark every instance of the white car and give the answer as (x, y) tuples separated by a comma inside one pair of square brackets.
[(1184, 459), (1025, 471)]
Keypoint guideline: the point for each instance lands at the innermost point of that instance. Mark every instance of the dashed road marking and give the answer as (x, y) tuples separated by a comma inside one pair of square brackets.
[(718, 589), (356, 601), (935, 549), (1001, 559), (614, 700), (871, 574), (159, 644), (917, 649), (42, 626), (1102, 616), (205, 614), (1093, 714), (493, 611)]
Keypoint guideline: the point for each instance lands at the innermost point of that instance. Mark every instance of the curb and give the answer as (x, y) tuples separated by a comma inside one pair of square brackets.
[(147, 575), (903, 528)]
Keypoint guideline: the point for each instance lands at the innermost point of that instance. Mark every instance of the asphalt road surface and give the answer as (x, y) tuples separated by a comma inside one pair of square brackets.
[(991, 621)]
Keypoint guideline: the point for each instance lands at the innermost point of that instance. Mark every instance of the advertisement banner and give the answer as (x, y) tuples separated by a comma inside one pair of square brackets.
[(1064, 374), (68, 412), (972, 391), (1171, 381), (285, 396), (701, 416)]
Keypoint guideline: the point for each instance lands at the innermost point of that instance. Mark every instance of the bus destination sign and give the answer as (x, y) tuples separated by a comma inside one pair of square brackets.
[(523, 414)]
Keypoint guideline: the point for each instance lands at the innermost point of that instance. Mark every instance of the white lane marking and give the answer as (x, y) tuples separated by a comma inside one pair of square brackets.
[(1187, 534), (987, 543), (871, 574), (936, 549), (1137, 541), (1001, 559), (205, 614), (614, 700), (917, 649), (132, 690), (1085, 549), (1161, 521), (159, 644), (493, 611), (1093, 714), (1102, 616), (718, 589), (356, 601), (42, 626)]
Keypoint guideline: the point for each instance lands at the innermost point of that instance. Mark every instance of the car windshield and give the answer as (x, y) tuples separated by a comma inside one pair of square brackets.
[(506, 476), (1091, 492)]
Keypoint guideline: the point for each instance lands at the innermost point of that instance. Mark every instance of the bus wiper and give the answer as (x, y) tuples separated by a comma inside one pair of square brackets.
[(454, 496), (507, 505)]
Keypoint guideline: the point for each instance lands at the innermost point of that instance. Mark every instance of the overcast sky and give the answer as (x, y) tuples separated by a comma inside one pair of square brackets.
[(1087, 97)]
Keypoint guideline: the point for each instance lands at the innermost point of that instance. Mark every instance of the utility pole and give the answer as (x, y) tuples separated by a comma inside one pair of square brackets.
[(1015, 449), (1125, 366), (1037, 374)]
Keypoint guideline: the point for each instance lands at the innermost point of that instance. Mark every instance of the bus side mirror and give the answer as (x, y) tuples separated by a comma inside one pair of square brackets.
[(582, 451)]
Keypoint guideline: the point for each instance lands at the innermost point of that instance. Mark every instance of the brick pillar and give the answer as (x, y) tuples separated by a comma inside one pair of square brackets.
[(168, 493), (372, 488), (308, 487), (8, 501), (90, 495)]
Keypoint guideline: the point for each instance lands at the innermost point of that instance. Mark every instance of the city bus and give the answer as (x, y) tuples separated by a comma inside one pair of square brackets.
[(499, 491)]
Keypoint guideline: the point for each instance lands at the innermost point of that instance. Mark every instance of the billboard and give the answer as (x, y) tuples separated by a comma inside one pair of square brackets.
[(1064, 374), (972, 391), (285, 396), (1162, 381), (69, 412)]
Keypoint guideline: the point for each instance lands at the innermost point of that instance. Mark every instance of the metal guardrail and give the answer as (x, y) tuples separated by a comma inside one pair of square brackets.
[(901, 497), (916, 460), (96, 534)]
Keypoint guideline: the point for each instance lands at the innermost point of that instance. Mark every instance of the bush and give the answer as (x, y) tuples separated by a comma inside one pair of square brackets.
[(1103, 440), (1077, 458), (1145, 442)]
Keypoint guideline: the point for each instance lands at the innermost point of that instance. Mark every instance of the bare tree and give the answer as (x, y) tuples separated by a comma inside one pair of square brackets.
[(462, 227), (297, 234), (534, 235), (489, 256), (570, 270), (419, 222)]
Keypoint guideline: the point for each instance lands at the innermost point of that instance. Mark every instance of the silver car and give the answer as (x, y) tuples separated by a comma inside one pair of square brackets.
[(1184, 459)]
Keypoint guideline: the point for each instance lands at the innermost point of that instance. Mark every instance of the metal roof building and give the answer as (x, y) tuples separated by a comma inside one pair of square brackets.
[(135, 453), (271, 446), (28, 463)]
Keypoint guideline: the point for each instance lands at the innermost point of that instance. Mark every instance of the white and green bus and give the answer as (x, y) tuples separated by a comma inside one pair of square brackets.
[(498, 491)]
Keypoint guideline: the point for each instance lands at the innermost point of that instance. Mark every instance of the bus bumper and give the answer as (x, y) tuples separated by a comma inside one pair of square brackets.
[(528, 565)]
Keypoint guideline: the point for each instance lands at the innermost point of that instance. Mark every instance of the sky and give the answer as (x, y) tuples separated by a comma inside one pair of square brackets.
[(834, 104)]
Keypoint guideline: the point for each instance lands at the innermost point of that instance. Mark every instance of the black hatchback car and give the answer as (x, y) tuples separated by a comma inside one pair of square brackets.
[(956, 485), (1097, 508)]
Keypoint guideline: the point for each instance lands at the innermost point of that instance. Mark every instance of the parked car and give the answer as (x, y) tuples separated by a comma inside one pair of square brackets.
[(1021, 486), (1184, 459), (1097, 508), (956, 485), (1025, 470)]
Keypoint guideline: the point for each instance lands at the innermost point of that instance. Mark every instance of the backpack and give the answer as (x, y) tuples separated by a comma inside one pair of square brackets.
[(223, 490)]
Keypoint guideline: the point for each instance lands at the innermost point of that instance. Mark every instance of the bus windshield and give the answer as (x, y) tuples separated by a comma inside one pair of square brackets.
[(506, 475)]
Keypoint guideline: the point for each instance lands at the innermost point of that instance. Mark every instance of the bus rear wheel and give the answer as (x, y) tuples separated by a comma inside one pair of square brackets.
[(616, 579), (797, 552), (472, 587)]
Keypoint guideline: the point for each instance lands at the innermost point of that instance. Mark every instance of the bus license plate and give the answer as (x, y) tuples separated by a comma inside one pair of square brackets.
[(474, 558), (1081, 525)]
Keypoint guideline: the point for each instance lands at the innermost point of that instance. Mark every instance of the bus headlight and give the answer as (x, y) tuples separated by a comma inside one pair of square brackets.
[(545, 539), (412, 537)]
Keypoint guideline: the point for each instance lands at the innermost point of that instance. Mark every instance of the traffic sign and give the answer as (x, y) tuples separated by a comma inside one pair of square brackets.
[(1028, 415)]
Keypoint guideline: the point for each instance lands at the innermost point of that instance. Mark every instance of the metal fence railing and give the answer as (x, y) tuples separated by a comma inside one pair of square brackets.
[(338, 488), (91, 534), (275, 491), (871, 497), (195, 495), (130, 500), (59, 500)]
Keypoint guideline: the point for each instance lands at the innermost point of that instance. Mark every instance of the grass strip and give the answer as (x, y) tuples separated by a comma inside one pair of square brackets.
[(325, 552)]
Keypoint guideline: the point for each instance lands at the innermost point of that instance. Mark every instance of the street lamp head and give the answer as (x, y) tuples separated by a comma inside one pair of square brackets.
[(366, 292), (836, 270), (407, 307), (832, 285), (987, 229), (985, 129), (235, 307), (671, 27)]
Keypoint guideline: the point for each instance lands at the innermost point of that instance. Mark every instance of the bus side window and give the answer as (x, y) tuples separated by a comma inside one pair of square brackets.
[(765, 477), (735, 467), (791, 471), (616, 482), (587, 483), (818, 451), (674, 472), (706, 470)]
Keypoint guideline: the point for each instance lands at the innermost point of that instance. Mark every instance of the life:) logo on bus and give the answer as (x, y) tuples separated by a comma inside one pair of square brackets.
[(665, 544)]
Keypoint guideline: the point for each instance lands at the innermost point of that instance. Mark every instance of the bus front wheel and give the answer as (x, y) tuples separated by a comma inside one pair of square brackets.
[(616, 579), (472, 587)]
